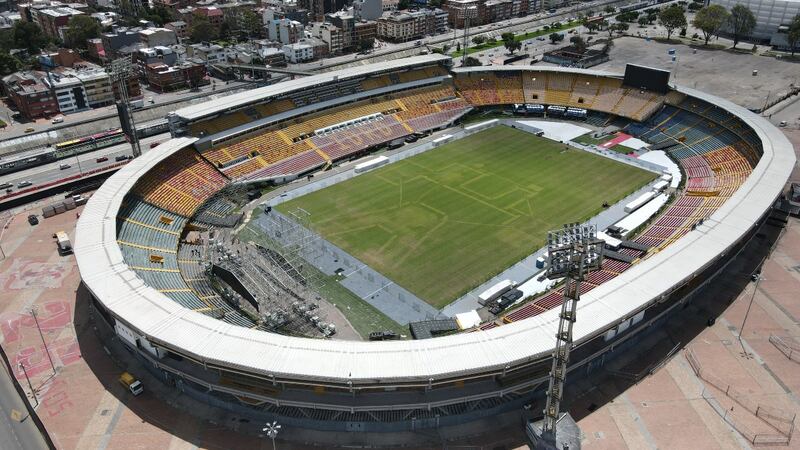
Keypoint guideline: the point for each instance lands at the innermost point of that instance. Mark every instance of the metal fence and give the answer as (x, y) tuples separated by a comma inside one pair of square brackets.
[(781, 421)]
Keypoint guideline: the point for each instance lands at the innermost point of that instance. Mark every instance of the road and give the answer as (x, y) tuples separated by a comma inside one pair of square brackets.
[(13, 433), (516, 25), (88, 161), (41, 125)]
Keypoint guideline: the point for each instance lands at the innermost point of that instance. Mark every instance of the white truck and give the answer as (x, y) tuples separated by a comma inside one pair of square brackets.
[(64, 245), (495, 291), (131, 383)]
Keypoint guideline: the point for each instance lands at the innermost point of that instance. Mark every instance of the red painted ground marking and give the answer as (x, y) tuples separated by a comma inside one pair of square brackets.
[(621, 137)]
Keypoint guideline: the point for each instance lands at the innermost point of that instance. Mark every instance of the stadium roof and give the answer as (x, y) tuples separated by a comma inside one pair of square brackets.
[(214, 342), (195, 112)]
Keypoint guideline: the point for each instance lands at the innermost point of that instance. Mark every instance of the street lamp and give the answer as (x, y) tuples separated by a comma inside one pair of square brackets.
[(22, 366), (272, 431)]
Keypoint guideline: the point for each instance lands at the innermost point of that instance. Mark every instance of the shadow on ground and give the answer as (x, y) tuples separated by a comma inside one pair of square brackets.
[(219, 429)]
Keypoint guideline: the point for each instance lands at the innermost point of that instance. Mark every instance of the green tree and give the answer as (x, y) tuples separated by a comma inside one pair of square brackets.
[(589, 24), (643, 21), (367, 44), (556, 37), (741, 23), (709, 20), (250, 23), (506, 37), (793, 35), (202, 30), (79, 29), (434, 3), (472, 61), (403, 4), (512, 46), (621, 27), (609, 9), (578, 43), (8, 64), (479, 39), (28, 35), (672, 18)]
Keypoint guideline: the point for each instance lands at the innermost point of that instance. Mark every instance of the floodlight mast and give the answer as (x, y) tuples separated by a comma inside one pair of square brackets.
[(119, 71), (572, 252)]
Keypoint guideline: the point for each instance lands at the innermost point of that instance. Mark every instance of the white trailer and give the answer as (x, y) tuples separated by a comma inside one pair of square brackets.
[(371, 164), (639, 202), (495, 291)]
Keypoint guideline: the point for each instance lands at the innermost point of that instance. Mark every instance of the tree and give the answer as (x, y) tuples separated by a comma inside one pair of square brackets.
[(609, 9), (578, 43), (80, 29), (512, 46), (158, 15), (28, 35), (402, 4), (672, 18), (367, 44), (621, 27), (510, 43), (250, 23), (709, 20), (434, 3), (8, 64), (479, 39), (643, 21), (556, 37), (793, 35), (741, 23), (590, 25), (472, 61), (202, 30)]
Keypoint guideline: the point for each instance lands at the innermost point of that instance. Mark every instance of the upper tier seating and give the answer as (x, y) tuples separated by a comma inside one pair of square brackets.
[(180, 183), (558, 88)]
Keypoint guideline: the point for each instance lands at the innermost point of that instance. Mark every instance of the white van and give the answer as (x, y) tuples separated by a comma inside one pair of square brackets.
[(58, 119), (64, 166)]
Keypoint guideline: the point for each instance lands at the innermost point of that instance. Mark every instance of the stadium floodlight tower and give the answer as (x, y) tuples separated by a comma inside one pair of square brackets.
[(120, 70), (572, 252), (466, 12)]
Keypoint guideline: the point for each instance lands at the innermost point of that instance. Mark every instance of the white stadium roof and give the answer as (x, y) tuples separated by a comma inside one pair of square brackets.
[(211, 341), (234, 101)]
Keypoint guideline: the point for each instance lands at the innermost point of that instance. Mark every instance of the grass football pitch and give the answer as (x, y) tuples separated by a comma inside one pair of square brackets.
[(441, 223)]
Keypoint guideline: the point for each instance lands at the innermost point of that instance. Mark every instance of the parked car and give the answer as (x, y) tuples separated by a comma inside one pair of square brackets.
[(33, 220), (29, 130), (58, 119)]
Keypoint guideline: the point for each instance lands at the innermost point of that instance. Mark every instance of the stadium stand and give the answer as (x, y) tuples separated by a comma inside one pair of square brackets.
[(181, 184), (276, 150), (557, 88)]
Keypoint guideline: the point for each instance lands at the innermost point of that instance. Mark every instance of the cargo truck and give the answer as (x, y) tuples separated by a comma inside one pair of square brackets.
[(64, 245), (131, 383)]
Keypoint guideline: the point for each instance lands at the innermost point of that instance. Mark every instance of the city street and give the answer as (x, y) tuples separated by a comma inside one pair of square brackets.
[(40, 125), (86, 162)]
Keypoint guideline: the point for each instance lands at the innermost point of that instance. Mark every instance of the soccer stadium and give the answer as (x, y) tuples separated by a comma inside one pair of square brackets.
[(468, 178)]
